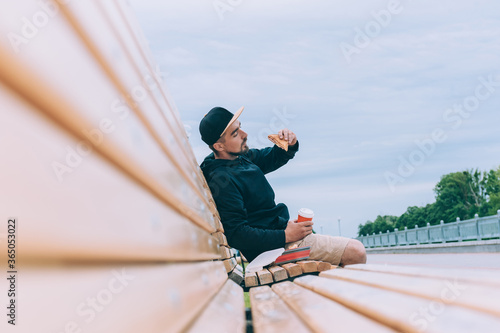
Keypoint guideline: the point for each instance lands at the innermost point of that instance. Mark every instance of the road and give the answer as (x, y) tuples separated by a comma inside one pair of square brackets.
[(487, 261)]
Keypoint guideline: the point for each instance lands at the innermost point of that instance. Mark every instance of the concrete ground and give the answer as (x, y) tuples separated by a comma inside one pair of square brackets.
[(487, 261)]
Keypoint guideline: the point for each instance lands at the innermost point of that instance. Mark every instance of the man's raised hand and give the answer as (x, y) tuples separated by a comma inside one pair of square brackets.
[(288, 135)]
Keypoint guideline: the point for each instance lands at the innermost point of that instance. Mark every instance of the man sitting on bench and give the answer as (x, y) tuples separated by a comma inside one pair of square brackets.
[(253, 222)]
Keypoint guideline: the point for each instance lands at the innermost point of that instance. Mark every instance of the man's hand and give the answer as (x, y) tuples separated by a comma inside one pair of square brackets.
[(296, 231), (288, 136)]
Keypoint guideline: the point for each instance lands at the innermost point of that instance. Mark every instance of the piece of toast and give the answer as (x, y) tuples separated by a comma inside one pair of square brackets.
[(282, 143)]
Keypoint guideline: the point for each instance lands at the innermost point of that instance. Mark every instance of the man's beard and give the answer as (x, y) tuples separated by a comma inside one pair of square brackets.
[(243, 151)]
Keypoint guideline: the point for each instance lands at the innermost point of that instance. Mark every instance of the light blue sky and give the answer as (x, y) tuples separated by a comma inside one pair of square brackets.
[(358, 87)]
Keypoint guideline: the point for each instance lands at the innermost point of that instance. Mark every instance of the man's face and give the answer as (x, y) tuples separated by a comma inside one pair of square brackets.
[(236, 140)]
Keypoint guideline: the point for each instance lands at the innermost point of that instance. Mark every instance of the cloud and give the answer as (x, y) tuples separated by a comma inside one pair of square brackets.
[(178, 56)]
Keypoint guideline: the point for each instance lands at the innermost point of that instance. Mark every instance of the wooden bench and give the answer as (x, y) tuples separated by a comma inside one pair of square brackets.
[(116, 231)]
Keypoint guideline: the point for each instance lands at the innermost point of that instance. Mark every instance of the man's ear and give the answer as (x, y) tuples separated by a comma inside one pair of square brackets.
[(218, 146)]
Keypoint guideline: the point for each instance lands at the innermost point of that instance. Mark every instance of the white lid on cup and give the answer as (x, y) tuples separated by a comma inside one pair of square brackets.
[(306, 212)]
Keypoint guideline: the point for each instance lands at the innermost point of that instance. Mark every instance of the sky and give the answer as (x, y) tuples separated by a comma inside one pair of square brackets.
[(385, 97)]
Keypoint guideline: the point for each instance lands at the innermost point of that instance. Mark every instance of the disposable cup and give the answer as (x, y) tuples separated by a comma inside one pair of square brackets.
[(305, 214)]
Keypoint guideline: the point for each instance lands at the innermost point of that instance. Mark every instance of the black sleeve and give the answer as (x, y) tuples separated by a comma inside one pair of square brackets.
[(272, 158), (233, 213)]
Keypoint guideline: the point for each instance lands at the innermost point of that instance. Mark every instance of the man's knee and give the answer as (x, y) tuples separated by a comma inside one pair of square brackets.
[(354, 253)]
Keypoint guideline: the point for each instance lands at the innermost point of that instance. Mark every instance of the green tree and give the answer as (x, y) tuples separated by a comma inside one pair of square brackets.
[(365, 229), (381, 224), (418, 216), (384, 223), (458, 194), (492, 188)]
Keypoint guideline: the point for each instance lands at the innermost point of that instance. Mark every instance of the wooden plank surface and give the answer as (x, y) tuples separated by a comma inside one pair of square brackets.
[(96, 213), (490, 277), (103, 40), (221, 238), (292, 269), (229, 264), (325, 266), (265, 277), (225, 252), (251, 280), (279, 273), (56, 58), (113, 298), (218, 224), (449, 291), (224, 314), (160, 115), (308, 266), (399, 311), (237, 275), (270, 314), (322, 314), (117, 35)]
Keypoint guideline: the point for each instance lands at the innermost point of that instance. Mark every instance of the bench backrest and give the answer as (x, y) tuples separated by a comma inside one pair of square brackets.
[(113, 219)]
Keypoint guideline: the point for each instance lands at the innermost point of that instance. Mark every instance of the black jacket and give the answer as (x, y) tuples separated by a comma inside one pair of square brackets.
[(252, 221)]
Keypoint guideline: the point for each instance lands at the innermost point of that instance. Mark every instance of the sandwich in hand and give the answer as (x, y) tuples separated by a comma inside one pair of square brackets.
[(282, 143)]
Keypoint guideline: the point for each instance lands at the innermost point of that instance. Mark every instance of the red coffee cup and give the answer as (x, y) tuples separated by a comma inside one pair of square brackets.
[(305, 214)]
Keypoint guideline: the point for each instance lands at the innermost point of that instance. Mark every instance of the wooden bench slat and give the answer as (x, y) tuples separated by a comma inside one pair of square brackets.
[(279, 273), (270, 314), (221, 238), (224, 314), (482, 277), (399, 311), (151, 298), (325, 266), (322, 314), (265, 277), (237, 275), (292, 269), (229, 264), (218, 224), (251, 280), (225, 252), (450, 291), (308, 266)]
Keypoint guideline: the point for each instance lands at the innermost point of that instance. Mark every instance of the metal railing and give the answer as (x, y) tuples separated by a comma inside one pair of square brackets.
[(478, 228)]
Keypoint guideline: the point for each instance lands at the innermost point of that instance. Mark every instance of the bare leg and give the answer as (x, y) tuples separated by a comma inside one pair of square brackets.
[(354, 253)]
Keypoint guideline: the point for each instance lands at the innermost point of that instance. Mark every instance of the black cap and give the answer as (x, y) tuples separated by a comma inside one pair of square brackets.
[(215, 123)]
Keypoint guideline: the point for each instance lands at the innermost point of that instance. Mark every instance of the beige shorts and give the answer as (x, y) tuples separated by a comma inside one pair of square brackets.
[(323, 247)]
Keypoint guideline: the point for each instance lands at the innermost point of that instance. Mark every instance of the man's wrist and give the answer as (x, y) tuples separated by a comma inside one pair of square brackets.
[(294, 147)]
